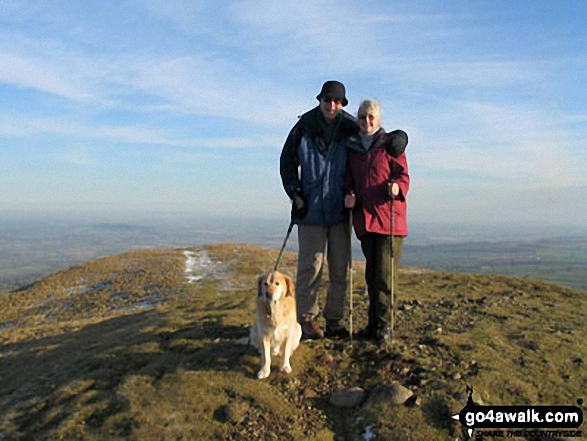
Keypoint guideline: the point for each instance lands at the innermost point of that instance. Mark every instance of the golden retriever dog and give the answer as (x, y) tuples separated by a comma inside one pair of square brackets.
[(276, 330)]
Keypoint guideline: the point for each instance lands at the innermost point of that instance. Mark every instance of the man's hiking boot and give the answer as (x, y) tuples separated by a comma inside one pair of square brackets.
[(311, 330), (334, 330)]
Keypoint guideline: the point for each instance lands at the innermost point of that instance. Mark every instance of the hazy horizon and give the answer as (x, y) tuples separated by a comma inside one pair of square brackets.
[(34, 246), (467, 231)]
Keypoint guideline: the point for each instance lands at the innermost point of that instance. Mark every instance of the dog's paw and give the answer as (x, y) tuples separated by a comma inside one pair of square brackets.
[(263, 373), (286, 369)]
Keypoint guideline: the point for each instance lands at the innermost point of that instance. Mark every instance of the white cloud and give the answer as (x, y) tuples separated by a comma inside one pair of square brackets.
[(27, 72), (478, 74), (278, 49), (198, 85), (31, 127), (64, 126), (506, 148)]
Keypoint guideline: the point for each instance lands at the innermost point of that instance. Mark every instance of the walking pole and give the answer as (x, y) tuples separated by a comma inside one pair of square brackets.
[(392, 271), (351, 274)]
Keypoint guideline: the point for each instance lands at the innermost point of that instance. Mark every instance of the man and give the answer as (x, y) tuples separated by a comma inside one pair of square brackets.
[(313, 165)]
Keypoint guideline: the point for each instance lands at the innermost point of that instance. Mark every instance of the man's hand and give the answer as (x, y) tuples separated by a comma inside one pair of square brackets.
[(299, 207), (350, 200)]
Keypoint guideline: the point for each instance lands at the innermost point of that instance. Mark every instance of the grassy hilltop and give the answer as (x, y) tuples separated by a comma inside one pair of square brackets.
[(125, 348)]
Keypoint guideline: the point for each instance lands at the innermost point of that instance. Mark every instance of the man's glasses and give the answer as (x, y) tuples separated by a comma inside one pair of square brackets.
[(365, 116)]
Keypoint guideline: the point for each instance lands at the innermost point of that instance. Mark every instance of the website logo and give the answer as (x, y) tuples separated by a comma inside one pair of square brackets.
[(520, 420)]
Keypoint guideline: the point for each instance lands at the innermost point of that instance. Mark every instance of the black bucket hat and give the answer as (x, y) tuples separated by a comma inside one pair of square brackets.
[(335, 89)]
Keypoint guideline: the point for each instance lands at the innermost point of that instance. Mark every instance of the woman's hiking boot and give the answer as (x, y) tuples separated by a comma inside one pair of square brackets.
[(367, 333), (379, 334), (383, 334)]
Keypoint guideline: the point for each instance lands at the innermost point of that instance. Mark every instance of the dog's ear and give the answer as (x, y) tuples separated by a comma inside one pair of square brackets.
[(260, 282), (291, 289)]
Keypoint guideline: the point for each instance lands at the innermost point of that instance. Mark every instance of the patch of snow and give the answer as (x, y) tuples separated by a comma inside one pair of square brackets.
[(198, 264), (3, 326), (244, 341), (368, 435), (151, 301)]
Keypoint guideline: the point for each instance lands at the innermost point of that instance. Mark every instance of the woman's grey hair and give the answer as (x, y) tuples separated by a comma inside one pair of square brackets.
[(371, 107)]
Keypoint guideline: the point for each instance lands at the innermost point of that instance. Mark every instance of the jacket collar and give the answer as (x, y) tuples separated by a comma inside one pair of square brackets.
[(309, 123), (354, 141)]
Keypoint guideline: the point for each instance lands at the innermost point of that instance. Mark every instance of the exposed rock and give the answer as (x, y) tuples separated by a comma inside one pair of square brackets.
[(394, 394), (463, 397), (477, 398), (448, 304), (235, 412), (327, 358), (347, 398)]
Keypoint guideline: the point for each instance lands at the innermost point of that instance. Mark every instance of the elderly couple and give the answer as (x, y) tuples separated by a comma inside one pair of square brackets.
[(331, 163)]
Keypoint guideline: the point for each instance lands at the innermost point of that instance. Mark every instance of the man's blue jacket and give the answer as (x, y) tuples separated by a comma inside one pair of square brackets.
[(316, 171)]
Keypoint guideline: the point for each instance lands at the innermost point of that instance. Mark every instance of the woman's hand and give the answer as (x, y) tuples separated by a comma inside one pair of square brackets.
[(393, 189)]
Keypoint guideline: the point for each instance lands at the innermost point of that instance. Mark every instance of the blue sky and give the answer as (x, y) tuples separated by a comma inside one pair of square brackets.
[(133, 106)]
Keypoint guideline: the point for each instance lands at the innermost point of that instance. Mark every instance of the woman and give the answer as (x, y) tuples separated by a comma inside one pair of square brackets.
[(377, 180)]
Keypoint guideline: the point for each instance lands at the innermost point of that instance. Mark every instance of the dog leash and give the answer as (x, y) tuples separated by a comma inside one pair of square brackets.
[(290, 228)]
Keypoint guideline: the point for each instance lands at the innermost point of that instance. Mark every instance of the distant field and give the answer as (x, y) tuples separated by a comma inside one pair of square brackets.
[(562, 260), (32, 249)]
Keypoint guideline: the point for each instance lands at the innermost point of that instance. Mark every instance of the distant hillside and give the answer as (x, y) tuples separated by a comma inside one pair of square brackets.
[(148, 345), (559, 260)]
